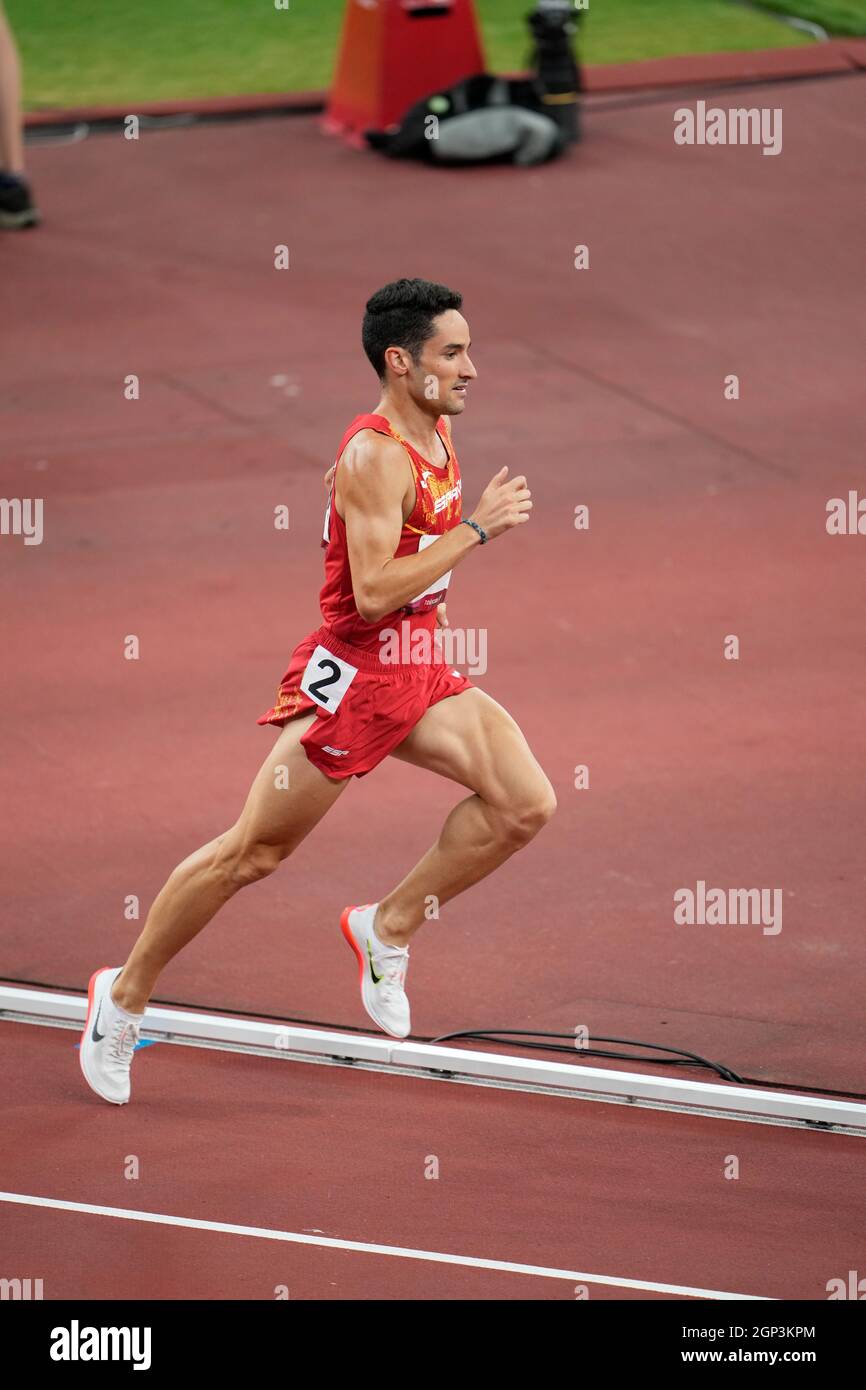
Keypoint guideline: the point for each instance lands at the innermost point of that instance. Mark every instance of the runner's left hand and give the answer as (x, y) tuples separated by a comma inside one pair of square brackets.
[(329, 476), (441, 616)]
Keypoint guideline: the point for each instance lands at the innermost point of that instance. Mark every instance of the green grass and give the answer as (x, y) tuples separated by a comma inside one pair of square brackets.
[(619, 31), (106, 52), (843, 17)]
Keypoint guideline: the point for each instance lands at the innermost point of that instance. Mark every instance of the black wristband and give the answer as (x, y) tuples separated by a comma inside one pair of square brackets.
[(474, 524)]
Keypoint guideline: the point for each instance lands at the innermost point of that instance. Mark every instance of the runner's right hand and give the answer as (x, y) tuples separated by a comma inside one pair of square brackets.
[(504, 503)]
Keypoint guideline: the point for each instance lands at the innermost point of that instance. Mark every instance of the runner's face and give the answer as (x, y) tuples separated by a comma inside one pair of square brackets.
[(445, 368)]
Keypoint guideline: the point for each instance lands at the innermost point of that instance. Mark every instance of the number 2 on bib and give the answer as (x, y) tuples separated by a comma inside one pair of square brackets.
[(326, 678)]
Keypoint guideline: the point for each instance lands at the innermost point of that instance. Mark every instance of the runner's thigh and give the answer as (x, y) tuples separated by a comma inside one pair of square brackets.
[(289, 795), (474, 741)]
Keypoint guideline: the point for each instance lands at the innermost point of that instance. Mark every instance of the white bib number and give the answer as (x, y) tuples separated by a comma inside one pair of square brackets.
[(435, 592), (327, 678)]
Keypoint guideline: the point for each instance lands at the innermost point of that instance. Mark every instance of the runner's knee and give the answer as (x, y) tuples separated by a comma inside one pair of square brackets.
[(521, 821), (241, 864)]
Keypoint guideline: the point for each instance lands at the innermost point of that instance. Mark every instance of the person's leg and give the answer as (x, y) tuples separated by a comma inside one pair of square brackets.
[(272, 824), (11, 139), (472, 740)]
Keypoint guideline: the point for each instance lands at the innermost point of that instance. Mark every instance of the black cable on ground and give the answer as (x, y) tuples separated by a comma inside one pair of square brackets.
[(692, 1057)]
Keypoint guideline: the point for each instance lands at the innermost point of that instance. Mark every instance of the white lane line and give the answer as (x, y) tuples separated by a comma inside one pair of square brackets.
[(396, 1251)]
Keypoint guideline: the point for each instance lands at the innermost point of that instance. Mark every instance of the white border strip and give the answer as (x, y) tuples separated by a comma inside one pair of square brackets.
[(584, 1082), (395, 1251)]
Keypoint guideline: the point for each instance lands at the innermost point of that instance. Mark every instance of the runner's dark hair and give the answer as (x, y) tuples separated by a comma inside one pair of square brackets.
[(401, 315)]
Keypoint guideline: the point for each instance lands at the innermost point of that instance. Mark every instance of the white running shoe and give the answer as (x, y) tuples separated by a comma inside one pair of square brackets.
[(383, 971), (108, 1040)]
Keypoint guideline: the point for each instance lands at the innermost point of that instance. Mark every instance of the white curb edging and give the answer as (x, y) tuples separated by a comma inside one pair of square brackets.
[(574, 1079)]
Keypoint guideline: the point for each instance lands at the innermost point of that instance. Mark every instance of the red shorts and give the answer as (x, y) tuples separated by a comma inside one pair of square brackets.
[(364, 707)]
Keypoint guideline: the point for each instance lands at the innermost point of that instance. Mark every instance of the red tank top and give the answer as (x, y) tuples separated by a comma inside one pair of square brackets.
[(437, 509)]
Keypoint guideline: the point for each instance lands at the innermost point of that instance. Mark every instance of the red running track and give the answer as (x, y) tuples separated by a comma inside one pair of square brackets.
[(605, 387), (338, 1154)]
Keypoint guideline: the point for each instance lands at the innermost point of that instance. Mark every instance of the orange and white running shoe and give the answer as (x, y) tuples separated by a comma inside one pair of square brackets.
[(382, 971)]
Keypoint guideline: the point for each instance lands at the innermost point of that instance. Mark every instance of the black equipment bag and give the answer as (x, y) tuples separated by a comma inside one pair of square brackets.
[(481, 118)]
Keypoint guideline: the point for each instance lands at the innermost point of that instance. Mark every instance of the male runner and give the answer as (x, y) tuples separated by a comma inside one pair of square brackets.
[(393, 535)]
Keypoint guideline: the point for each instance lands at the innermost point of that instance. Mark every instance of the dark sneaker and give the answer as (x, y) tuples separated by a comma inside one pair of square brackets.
[(17, 208)]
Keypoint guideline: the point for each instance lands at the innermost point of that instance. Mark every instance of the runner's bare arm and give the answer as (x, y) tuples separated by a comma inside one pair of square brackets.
[(372, 482)]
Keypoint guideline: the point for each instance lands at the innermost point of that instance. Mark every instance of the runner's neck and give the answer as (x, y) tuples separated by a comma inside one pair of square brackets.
[(415, 432)]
